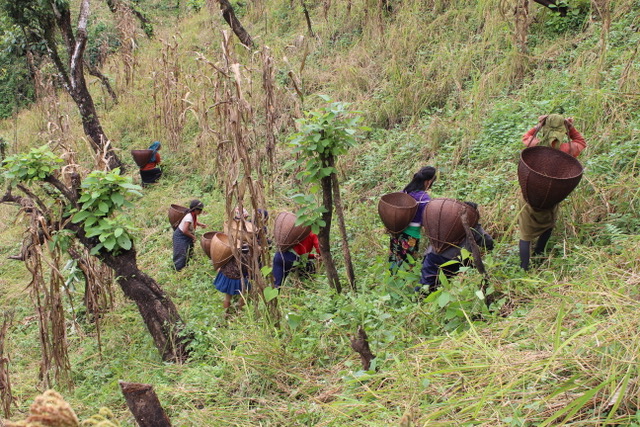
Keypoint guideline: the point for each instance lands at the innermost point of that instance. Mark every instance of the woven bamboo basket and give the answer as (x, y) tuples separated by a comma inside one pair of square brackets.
[(141, 157), (176, 213), (442, 219), (396, 211), (220, 250), (547, 176), (286, 233), (205, 242)]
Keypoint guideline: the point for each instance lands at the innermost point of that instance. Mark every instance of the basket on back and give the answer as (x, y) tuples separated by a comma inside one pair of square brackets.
[(547, 176), (240, 230), (396, 211), (286, 233), (220, 250), (205, 242), (141, 157), (442, 219), (176, 213)]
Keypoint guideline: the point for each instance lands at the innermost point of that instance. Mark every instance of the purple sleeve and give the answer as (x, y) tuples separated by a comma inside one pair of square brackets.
[(422, 198)]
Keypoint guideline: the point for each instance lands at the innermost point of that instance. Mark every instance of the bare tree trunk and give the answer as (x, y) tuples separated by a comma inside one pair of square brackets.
[(343, 229), (229, 15), (323, 236), (144, 405), (74, 82), (158, 312)]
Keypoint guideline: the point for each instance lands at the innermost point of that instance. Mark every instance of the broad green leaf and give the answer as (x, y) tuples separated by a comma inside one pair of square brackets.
[(444, 299), (80, 216), (103, 207), (124, 242), (117, 199), (270, 293), (293, 320), (110, 243)]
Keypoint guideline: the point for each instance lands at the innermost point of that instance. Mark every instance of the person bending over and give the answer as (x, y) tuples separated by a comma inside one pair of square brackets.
[(433, 261)]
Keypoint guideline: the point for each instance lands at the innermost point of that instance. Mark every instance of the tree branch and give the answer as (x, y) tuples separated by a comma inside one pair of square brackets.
[(66, 192)]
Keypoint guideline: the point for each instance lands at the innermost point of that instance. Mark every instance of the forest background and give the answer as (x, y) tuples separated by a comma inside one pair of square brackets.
[(453, 84)]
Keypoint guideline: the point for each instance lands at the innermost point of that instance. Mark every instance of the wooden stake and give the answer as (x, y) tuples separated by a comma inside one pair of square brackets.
[(144, 405)]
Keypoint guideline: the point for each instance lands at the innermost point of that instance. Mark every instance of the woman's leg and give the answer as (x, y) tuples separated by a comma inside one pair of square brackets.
[(226, 303), (525, 254), (180, 249), (541, 244), (282, 265)]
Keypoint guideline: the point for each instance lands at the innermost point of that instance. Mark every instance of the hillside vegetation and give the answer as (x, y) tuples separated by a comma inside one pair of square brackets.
[(453, 84)]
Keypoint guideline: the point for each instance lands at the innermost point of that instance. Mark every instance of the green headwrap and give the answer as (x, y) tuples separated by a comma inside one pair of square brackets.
[(552, 129)]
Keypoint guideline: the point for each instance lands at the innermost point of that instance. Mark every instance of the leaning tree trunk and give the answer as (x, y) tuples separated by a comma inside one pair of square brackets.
[(343, 228), (323, 236), (159, 313), (229, 15)]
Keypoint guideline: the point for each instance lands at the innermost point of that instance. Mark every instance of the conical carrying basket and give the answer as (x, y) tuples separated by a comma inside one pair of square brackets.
[(141, 157), (547, 176), (205, 242), (396, 211), (176, 213), (442, 219), (220, 250), (286, 233)]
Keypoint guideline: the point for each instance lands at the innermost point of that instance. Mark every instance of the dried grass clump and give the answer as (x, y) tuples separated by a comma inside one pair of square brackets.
[(48, 410)]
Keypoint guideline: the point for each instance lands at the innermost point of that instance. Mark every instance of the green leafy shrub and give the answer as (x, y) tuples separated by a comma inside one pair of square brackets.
[(104, 193), (37, 164)]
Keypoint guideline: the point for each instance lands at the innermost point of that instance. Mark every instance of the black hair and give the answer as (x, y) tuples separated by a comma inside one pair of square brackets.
[(474, 205), (195, 204), (419, 178)]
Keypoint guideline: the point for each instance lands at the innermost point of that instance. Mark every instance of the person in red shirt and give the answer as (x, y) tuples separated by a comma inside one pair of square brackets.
[(300, 257), (552, 130), (151, 173)]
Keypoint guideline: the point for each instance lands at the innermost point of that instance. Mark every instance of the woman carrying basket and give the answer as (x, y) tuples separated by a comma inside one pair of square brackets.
[(552, 130), (184, 235), (408, 241), (151, 173)]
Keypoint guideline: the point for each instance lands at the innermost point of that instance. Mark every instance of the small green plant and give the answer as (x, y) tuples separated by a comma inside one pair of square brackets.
[(572, 21), (37, 164), (325, 134), (195, 5), (104, 193)]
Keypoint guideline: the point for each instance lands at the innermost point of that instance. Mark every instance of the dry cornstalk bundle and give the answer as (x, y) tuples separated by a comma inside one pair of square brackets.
[(169, 93), (5, 382), (47, 298), (127, 33), (240, 156), (202, 108)]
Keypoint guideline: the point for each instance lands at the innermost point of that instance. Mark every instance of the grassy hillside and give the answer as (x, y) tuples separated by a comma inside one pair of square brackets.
[(442, 83)]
